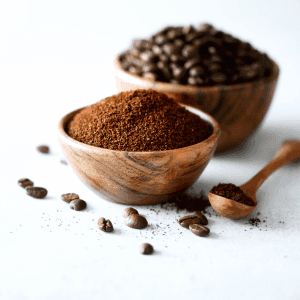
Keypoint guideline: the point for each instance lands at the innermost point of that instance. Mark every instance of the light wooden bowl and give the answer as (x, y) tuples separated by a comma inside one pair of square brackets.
[(138, 178), (238, 108)]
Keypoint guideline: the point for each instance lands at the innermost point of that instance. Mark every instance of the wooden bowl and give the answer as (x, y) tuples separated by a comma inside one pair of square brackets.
[(238, 108), (138, 178)]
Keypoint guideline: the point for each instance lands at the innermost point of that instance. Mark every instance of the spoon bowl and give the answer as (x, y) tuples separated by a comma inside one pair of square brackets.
[(287, 153)]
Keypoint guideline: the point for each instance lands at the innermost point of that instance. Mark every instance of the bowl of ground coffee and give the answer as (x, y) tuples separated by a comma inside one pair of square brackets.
[(207, 69), (138, 147)]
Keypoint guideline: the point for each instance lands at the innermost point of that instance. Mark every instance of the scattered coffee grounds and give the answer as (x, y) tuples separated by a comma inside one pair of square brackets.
[(232, 192), (64, 162), (78, 204), (146, 249), (69, 197), (141, 120), (36, 192), (186, 221), (199, 230), (202, 56), (188, 202), (105, 225), (129, 211), (136, 221), (43, 149), (24, 182)]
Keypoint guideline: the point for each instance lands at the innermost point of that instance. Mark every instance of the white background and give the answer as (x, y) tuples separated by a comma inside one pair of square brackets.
[(56, 56)]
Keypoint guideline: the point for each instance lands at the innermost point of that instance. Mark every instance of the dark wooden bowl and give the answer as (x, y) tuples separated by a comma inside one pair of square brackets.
[(238, 108), (138, 178)]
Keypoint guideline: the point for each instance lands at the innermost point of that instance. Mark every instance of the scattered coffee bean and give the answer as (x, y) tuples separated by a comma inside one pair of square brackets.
[(43, 149), (24, 182), (136, 221), (69, 197), (105, 225), (202, 218), (78, 204), (199, 230), (188, 220), (146, 249), (36, 192), (129, 211)]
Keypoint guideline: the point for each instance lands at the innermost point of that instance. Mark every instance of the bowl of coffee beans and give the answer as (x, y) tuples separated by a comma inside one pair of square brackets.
[(205, 68), (138, 147)]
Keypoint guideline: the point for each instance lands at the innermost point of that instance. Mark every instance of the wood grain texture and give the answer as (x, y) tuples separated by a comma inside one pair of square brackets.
[(287, 153), (138, 178), (238, 108)]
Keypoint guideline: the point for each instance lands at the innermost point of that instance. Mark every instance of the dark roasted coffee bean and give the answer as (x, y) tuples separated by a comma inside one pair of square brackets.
[(24, 182), (169, 49), (69, 197), (179, 73), (150, 76), (216, 59), (196, 71), (160, 39), (203, 219), (163, 58), (136, 221), (129, 211), (248, 73), (157, 50), (192, 62), (205, 27), (175, 81), (214, 67), (133, 70), (199, 230), (36, 192), (149, 68), (105, 225), (188, 30), (218, 78), (174, 33), (43, 149), (138, 44), (176, 58), (146, 249), (147, 56), (178, 43), (135, 61), (78, 204), (212, 50), (167, 75), (195, 81), (188, 220), (189, 51)]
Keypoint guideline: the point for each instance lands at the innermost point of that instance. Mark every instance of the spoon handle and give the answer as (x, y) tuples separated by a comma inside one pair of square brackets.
[(288, 152)]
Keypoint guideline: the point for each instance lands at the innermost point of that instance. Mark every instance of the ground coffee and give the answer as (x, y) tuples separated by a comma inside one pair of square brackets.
[(141, 120), (200, 56), (232, 192)]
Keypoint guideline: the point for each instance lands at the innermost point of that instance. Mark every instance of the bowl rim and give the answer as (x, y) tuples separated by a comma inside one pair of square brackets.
[(188, 88), (213, 138)]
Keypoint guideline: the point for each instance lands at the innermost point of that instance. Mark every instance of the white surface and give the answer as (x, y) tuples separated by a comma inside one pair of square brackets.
[(55, 57)]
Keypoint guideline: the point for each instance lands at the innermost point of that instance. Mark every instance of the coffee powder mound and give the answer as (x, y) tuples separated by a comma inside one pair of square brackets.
[(141, 120), (232, 192), (189, 202)]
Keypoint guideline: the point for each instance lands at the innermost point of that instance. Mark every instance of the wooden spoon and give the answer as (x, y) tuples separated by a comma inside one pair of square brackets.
[(288, 152)]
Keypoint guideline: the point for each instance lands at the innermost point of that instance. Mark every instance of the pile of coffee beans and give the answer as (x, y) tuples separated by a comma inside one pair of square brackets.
[(31, 190), (232, 192), (195, 224), (202, 56)]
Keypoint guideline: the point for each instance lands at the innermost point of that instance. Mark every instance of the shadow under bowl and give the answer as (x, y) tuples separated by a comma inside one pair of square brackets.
[(238, 108), (138, 178)]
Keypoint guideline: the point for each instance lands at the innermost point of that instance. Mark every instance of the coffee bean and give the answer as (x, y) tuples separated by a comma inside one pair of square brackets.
[(146, 249), (164, 58), (199, 230), (178, 43), (196, 71), (147, 56), (150, 76), (78, 204), (179, 73), (195, 81), (149, 68), (188, 30), (203, 219), (69, 197), (105, 225), (218, 78), (189, 51), (24, 182), (188, 220), (176, 58), (214, 67), (161, 39), (205, 27), (136, 221), (133, 70), (129, 211), (36, 192), (43, 149), (157, 50), (192, 62)]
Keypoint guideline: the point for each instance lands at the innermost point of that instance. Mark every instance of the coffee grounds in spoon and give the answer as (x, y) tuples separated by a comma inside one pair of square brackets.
[(232, 192), (140, 120)]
